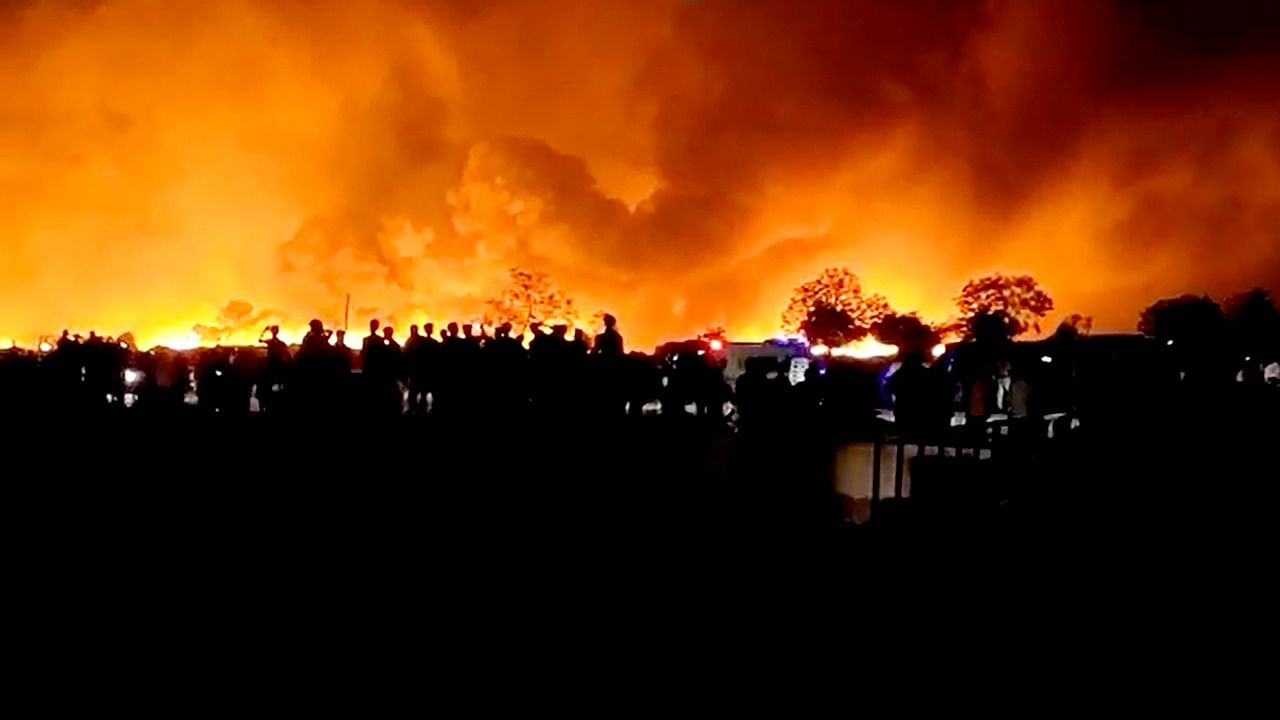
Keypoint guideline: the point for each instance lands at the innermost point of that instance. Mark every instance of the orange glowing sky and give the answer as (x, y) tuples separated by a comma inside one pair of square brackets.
[(682, 164)]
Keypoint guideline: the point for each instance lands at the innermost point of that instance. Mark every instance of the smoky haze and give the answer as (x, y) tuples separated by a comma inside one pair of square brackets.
[(681, 164)]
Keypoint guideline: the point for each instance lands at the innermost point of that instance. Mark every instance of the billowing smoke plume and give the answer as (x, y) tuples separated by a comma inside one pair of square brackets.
[(682, 163)]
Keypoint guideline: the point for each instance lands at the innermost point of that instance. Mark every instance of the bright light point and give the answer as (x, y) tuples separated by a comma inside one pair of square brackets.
[(939, 350), (218, 373), (717, 345), (45, 346), (819, 350), (124, 346), (702, 352), (132, 376), (1170, 342), (1046, 359)]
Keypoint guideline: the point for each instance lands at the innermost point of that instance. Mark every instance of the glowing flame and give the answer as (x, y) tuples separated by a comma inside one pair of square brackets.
[(179, 341), (865, 349), (938, 350)]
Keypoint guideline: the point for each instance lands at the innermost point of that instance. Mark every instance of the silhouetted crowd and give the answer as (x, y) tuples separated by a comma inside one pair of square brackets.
[(462, 373)]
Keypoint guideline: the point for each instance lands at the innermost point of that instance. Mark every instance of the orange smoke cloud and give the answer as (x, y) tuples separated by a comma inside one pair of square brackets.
[(681, 164)]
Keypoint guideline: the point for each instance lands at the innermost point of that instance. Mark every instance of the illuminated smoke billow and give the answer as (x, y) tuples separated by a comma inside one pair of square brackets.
[(681, 164)]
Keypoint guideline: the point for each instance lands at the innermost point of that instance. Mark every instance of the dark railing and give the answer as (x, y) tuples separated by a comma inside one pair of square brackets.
[(993, 440)]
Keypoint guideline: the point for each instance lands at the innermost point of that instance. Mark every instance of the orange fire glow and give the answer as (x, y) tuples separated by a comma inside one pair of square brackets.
[(865, 348), (682, 165)]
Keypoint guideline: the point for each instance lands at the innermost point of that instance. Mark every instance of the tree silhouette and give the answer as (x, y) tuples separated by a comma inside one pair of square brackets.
[(991, 328), (832, 309), (531, 297), (1195, 330), (1073, 326), (1184, 320), (912, 335), (1018, 298), (827, 325), (1254, 321)]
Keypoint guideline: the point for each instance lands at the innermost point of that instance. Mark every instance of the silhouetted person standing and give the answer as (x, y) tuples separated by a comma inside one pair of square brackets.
[(445, 384), (344, 390), (65, 370), (313, 375), (557, 367), (913, 396), (392, 371), (371, 350), (316, 341), (609, 374), (429, 365), (273, 383), (95, 369), (343, 353), (469, 373), (609, 342), (413, 370), (372, 367), (505, 365)]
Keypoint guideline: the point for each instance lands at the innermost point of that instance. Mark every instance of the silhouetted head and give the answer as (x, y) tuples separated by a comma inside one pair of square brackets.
[(579, 335), (453, 329), (610, 321), (560, 330), (93, 335), (66, 334), (468, 330), (413, 331), (373, 326), (428, 329), (275, 330), (503, 330), (388, 332), (535, 328), (342, 337), (317, 327)]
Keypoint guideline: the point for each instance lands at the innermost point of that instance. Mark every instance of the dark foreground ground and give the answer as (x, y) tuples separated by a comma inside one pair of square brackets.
[(1122, 570)]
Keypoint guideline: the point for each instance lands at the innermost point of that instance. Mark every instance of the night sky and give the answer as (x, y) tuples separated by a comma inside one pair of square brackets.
[(682, 164)]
